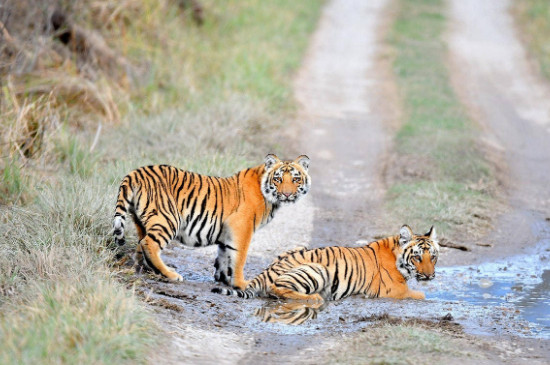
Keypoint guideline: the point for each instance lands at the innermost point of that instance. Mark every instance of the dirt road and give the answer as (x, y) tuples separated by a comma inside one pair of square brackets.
[(342, 132), (345, 130), (505, 95), (343, 127)]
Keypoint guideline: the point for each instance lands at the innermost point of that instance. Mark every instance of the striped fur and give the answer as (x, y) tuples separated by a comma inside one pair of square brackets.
[(167, 203), (379, 269)]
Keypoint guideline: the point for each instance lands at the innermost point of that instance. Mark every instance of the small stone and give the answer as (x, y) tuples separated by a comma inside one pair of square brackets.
[(485, 283)]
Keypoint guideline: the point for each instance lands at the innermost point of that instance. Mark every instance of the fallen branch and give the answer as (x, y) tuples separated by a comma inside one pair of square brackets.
[(446, 243)]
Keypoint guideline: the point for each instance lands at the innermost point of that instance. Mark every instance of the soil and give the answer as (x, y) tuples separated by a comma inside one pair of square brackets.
[(346, 121)]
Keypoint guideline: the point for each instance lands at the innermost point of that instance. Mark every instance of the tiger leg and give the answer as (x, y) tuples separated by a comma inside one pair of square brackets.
[(232, 257), (414, 294), (141, 235), (158, 234), (402, 292), (150, 250)]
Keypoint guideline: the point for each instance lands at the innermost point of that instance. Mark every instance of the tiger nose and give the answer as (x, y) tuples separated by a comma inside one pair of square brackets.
[(286, 194)]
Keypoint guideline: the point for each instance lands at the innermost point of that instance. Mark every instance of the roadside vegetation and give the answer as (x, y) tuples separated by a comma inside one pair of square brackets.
[(404, 343), (533, 18), (438, 174), (91, 90)]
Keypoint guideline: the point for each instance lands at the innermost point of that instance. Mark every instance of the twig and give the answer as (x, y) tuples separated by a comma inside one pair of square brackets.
[(446, 243), (5, 33)]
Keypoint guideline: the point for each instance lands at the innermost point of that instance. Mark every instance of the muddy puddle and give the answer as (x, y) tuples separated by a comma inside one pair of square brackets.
[(509, 296), (503, 297)]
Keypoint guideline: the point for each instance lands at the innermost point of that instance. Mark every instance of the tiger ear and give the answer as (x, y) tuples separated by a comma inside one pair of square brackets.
[(303, 161), (405, 235), (270, 160), (432, 234)]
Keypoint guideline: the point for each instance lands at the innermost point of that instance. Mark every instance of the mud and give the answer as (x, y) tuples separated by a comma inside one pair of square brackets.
[(497, 291)]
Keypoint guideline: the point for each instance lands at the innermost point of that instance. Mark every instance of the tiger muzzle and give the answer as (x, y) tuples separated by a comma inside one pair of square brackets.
[(425, 277)]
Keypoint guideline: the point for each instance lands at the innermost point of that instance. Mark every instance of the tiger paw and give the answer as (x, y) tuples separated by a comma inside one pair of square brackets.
[(240, 284), (222, 277), (173, 276), (413, 294), (224, 274)]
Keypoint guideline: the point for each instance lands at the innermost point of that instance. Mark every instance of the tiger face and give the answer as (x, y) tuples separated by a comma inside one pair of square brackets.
[(285, 181), (418, 254)]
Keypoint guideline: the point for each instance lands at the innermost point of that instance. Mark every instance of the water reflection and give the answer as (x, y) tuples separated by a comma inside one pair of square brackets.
[(519, 284), (293, 313)]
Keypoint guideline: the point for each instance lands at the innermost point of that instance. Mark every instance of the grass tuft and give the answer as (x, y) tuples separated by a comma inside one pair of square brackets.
[(15, 184), (79, 159)]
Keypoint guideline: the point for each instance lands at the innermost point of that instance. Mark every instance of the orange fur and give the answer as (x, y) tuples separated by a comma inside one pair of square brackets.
[(167, 203)]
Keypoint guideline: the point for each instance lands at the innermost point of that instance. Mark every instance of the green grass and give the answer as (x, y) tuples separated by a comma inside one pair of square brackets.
[(75, 155), (59, 297), (76, 322), (15, 183), (440, 176), (209, 99), (533, 17), (247, 47)]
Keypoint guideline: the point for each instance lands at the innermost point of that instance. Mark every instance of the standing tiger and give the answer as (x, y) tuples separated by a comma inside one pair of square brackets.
[(167, 203), (379, 269)]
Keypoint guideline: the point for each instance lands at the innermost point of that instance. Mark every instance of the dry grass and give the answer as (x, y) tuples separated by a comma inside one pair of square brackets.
[(219, 139), (75, 320)]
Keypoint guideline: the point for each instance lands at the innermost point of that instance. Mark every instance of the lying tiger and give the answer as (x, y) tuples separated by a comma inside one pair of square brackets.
[(167, 203), (379, 269)]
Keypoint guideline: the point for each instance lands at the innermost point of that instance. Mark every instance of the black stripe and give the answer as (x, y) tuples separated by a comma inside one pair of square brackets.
[(198, 217), (149, 263), (163, 228), (335, 281), (151, 236), (121, 207)]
